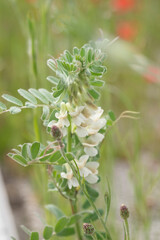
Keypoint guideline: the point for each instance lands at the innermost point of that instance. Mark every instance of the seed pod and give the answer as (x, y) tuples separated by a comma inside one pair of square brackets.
[(88, 228)]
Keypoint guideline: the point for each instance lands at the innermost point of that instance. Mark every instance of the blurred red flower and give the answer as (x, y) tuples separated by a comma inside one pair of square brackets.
[(126, 30), (122, 5), (152, 74)]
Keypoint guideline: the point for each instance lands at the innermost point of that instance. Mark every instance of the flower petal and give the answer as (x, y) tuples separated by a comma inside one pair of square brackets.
[(93, 166), (74, 182), (81, 132), (84, 172), (91, 178), (91, 151)]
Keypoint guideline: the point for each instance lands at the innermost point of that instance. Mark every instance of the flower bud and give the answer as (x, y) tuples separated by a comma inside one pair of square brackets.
[(56, 133), (124, 212), (88, 228)]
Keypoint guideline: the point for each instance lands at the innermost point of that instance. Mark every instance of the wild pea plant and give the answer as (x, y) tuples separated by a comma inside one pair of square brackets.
[(77, 126)]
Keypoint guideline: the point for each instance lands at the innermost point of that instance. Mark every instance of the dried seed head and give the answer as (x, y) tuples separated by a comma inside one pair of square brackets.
[(56, 133), (88, 228), (124, 212)]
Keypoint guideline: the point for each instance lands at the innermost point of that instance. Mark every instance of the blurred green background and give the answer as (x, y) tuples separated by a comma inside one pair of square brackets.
[(44, 28)]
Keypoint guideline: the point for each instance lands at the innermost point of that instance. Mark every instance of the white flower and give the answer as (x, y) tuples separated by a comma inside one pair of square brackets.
[(92, 122), (92, 166), (88, 170), (84, 172), (71, 180), (93, 112), (63, 116), (77, 117), (91, 142)]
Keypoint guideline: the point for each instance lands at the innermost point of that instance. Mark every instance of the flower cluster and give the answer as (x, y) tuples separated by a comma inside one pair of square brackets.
[(88, 170), (85, 121)]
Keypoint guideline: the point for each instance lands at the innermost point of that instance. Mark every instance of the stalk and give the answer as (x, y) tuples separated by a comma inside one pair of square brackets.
[(127, 228), (73, 203), (85, 192)]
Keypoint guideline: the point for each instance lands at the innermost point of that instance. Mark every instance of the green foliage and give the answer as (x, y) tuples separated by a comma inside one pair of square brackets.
[(34, 236), (54, 210), (77, 82), (47, 232), (62, 222)]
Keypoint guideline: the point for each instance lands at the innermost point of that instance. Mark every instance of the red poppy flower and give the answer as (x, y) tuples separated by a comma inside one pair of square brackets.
[(122, 5), (152, 74), (126, 30)]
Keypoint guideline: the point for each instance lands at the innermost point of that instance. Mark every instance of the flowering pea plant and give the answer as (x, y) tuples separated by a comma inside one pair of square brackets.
[(76, 127)]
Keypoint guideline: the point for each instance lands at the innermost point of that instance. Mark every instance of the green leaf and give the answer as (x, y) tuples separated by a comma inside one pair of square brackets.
[(94, 93), (82, 52), (24, 150), (47, 233), (30, 105), (18, 158), (89, 55), (66, 232), (97, 70), (111, 115), (46, 94), (53, 80), (12, 99), (58, 93), (35, 149), (26, 230), (68, 56), (62, 222), (70, 156), (34, 236), (13, 238), (92, 192), (55, 156), (3, 106), (74, 218), (107, 198), (54, 210), (14, 110), (45, 113), (75, 51), (52, 115), (38, 95), (93, 216), (52, 64), (97, 83), (27, 96)]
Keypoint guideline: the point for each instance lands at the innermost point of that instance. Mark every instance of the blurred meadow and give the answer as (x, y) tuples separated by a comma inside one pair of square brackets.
[(34, 30)]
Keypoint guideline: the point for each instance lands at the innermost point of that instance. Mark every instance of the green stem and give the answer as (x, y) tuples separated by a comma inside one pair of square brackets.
[(74, 211), (127, 229), (69, 136), (73, 203), (85, 192)]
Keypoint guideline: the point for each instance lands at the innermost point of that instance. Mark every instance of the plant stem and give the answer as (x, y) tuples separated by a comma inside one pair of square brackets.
[(73, 203), (74, 211), (69, 136), (85, 192), (127, 229)]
